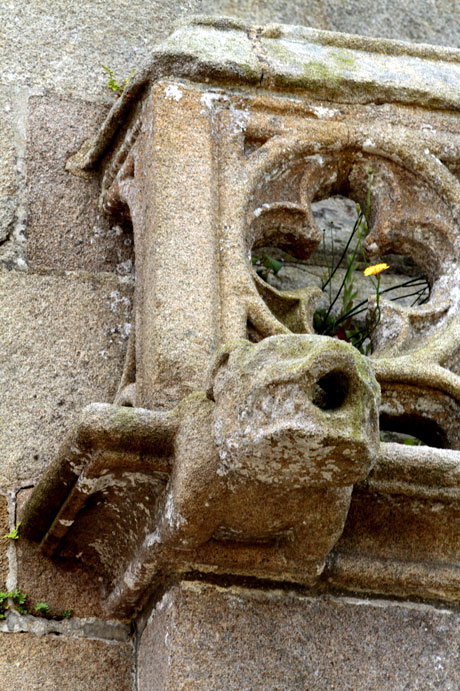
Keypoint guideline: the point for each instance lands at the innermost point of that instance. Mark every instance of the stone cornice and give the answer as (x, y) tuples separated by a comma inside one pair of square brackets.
[(344, 67)]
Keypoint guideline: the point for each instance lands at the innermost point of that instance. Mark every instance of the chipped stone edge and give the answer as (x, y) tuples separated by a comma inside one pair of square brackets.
[(283, 596), (13, 248)]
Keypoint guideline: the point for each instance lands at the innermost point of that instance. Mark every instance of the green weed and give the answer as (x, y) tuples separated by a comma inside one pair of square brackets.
[(42, 608), (18, 600), (112, 82), (13, 534)]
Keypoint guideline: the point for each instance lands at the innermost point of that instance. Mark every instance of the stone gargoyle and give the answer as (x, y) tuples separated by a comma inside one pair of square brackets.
[(241, 443), (258, 471)]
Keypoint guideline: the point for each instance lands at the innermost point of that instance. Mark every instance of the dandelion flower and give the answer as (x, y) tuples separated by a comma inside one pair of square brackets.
[(375, 269)]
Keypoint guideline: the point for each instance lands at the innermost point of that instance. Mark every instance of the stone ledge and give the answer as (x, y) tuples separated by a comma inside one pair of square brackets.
[(348, 68), (75, 627)]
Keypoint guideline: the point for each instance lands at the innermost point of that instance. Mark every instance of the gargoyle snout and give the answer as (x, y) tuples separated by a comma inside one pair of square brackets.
[(296, 409)]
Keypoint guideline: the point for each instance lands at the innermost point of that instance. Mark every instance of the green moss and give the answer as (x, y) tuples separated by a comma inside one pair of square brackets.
[(298, 71), (323, 72), (343, 59), (123, 417)]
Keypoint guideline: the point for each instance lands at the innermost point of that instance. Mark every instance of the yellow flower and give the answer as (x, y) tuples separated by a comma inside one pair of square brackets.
[(375, 269)]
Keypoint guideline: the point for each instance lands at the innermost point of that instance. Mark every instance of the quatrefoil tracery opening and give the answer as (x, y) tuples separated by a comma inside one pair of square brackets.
[(406, 219)]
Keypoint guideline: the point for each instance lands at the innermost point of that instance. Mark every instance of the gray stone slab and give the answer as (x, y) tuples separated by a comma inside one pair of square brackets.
[(33, 663), (8, 182), (428, 21), (205, 637), (328, 65), (357, 70), (65, 228), (60, 45), (63, 342)]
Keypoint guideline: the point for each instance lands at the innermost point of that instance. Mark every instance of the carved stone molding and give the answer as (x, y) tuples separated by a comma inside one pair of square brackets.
[(238, 434)]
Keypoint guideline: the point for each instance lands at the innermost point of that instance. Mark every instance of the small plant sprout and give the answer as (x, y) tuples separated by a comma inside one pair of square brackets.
[(343, 315), (3, 604), (115, 85), (42, 608), (343, 326), (265, 265), (15, 600), (19, 600), (412, 441), (13, 534)]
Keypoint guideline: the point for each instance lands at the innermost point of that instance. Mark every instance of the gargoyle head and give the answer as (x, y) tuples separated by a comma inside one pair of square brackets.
[(299, 410)]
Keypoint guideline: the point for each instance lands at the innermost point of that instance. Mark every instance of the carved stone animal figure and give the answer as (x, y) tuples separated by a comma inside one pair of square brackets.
[(272, 453)]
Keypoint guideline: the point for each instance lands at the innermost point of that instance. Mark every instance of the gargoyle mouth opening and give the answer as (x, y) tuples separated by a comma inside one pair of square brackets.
[(413, 430), (330, 391)]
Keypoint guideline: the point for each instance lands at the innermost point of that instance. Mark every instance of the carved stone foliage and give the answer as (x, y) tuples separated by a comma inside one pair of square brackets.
[(238, 434)]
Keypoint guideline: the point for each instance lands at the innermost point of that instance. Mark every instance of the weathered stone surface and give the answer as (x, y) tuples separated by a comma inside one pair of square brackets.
[(274, 481), (13, 206), (57, 585), (175, 247), (33, 663), (205, 637), (379, 68), (330, 66), (75, 627), (4, 544), (428, 21), (402, 535), (65, 228), (262, 465), (8, 180), (62, 46), (63, 342)]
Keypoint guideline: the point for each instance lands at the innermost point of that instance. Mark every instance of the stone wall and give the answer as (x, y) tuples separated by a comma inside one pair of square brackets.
[(65, 313)]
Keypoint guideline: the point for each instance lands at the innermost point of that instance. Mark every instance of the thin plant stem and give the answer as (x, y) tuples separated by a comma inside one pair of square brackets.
[(416, 301), (331, 275), (349, 270), (412, 282)]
